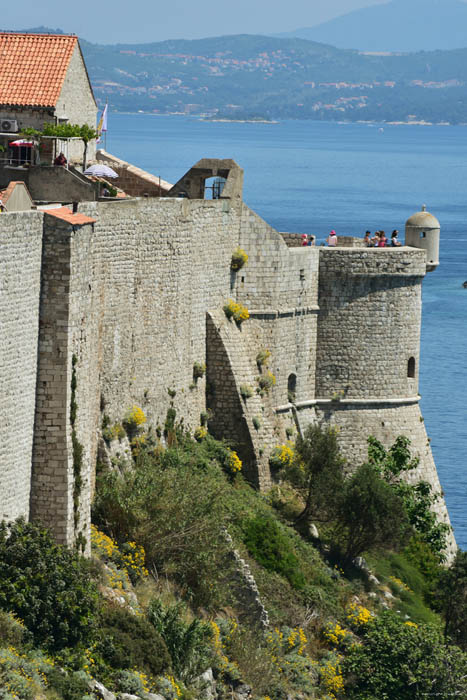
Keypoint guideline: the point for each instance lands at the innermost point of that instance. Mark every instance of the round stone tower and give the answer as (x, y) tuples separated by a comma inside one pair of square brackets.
[(422, 231), (368, 347)]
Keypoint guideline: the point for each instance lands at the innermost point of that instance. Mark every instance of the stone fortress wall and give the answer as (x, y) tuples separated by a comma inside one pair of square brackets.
[(131, 299), (20, 265)]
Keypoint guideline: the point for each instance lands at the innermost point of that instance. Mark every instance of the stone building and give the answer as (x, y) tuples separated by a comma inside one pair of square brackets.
[(43, 79), (123, 298)]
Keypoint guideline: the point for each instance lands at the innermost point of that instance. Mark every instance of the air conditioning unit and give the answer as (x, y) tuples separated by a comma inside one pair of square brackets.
[(9, 126)]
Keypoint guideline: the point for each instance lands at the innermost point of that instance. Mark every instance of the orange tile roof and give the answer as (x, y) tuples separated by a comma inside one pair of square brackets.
[(67, 215), (33, 67)]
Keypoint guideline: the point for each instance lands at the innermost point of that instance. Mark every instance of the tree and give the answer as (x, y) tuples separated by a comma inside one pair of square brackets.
[(370, 514), (453, 598), (418, 498), (317, 473), (47, 586)]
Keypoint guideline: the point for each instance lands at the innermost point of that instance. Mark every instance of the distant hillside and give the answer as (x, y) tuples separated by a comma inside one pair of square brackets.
[(248, 77), (399, 25), (36, 30), (259, 77)]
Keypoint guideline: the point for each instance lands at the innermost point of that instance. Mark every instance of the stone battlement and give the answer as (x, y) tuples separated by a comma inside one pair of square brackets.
[(112, 312)]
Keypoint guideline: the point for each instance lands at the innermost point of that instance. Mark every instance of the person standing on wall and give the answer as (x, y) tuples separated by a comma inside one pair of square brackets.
[(331, 240)]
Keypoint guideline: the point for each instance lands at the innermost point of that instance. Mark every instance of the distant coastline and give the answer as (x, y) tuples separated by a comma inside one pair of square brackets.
[(226, 120)]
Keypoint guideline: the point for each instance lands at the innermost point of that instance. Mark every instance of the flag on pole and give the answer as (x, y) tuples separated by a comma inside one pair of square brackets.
[(102, 125)]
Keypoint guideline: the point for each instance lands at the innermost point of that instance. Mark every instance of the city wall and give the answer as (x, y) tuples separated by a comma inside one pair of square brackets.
[(20, 266), (130, 301)]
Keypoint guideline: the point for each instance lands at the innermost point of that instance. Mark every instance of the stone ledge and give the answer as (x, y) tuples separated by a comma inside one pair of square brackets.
[(281, 313), (399, 401)]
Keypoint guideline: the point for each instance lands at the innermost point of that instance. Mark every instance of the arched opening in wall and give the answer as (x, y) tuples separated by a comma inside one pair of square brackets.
[(292, 388), (213, 187), (411, 368)]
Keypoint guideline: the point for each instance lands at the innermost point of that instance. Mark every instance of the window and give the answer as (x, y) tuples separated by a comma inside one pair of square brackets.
[(411, 368), (292, 387), (213, 187)]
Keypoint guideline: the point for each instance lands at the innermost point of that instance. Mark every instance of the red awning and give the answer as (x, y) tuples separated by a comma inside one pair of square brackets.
[(21, 143)]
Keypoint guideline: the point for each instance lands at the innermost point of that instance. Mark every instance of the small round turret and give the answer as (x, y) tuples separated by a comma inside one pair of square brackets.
[(422, 231)]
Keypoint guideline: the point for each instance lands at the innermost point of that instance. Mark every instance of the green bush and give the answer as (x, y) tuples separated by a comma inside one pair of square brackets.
[(180, 494), (129, 641), (188, 643), (317, 473), (453, 598), (12, 630), (418, 498), (404, 661), (370, 514), (73, 685), (270, 547), (47, 586)]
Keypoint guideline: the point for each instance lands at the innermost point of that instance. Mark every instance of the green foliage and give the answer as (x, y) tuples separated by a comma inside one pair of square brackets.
[(12, 630), (178, 493), (268, 544), (256, 420), (418, 498), (262, 357), (46, 585), (404, 661), (317, 473), (453, 598), (129, 682), (199, 370), (129, 641), (417, 595), (266, 381), (246, 391), (69, 686), (188, 643), (22, 675), (370, 514)]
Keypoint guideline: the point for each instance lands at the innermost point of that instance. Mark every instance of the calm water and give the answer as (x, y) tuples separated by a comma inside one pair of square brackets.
[(311, 177)]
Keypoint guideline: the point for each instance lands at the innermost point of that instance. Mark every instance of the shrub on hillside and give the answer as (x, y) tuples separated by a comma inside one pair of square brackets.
[(47, 586), (402, 660), (12, 630), (317, 473), (188, 643), (180, 494), (370, 514), (452, 595), (418, 498), (129, 641), (270, 547)]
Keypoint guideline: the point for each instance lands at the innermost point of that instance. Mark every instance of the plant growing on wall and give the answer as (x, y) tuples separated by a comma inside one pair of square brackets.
[(266, 381), (199, 370), (262, 358), (239, 259), (246, 391), (238, 312), (133, 420)]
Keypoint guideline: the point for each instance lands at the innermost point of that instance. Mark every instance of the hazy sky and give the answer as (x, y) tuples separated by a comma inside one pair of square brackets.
[(153, 20)]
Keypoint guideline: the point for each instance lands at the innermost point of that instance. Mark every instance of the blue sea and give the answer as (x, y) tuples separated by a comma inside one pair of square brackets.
[(314, 176)]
